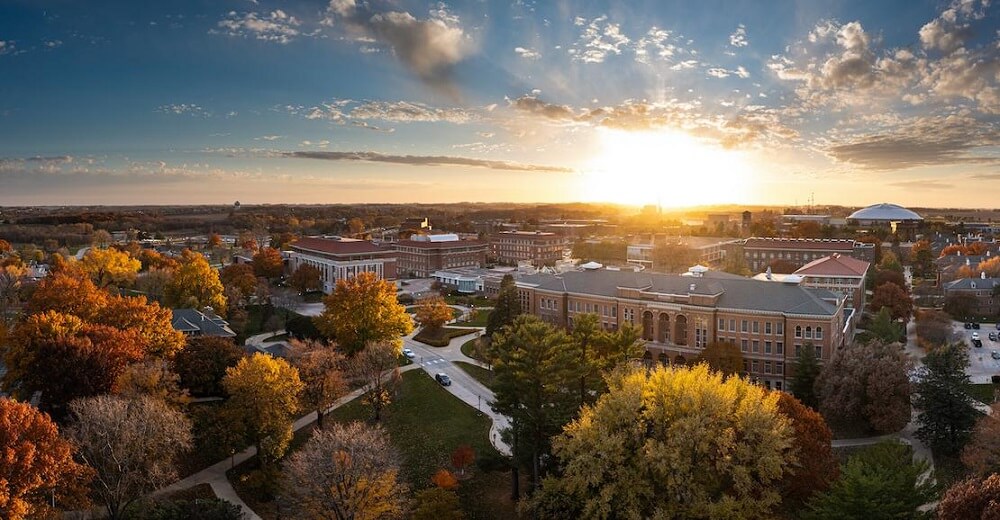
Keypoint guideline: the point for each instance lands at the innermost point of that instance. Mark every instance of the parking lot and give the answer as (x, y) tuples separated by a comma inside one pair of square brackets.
[(982, 366)]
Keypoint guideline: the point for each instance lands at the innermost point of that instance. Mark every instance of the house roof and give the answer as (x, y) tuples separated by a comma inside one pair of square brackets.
[(834, 265), (735, 292), (193, 321), (340, 246), (968, 284), (823, 244)]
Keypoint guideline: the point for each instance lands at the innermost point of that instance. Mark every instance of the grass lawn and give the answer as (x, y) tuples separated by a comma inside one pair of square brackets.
[(440, 337), (469, 349), (982, 392), (482, 317), (478, 301), (477, 372)]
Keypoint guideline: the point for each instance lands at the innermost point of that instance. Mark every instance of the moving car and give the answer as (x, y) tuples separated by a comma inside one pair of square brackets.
[(408, 353), (443, 379)]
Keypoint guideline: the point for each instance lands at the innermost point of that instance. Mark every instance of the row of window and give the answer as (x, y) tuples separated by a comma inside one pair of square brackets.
[(753, 366), (753, 346), (754, 326), (809, 332), (588, 308)]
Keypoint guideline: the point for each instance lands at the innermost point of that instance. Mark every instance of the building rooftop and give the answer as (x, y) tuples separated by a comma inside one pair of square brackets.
[(735, 292), (335, 246), (972, 283), (193, 321), (834, 265), (884, 212), (826, 244)]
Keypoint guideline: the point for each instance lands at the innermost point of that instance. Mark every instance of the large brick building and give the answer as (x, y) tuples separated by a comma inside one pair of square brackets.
[(979, 290), (422, 255), (680, 314), (511, 247), (759, 253), (338, 258)]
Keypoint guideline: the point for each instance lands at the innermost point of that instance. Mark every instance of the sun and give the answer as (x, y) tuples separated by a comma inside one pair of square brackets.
[(668, 168)]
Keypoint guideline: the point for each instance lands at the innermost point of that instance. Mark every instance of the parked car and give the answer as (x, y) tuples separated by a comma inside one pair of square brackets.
[(975, 325), (975, 336), (977, 343), (443, 379), (968, 325), (995, 355), (408, 353), (993, 336)]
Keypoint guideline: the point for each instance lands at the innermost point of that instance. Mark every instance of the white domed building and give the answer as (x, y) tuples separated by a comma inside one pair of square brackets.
[(885, 215)]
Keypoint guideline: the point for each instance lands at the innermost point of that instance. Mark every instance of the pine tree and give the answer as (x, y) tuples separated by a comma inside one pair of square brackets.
[(507, 308), (803, 385), (948, 415)]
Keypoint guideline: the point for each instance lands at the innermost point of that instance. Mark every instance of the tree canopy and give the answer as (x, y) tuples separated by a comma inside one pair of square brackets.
[(363, 310), (868, 382), (947, 414), (267, 263), (432, 313), (971, 499), (264, 394), (508, 306), (816, 466), (110, 267), (195, 284)]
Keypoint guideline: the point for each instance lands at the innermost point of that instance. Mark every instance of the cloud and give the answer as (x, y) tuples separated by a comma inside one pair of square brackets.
[(739, 37), (599, 39), (429, 48), (949, 31), (183, 109), (922, 141), (718, 73), (276, 26), (527, 53), (423, 160), (6, 47), (268, 138), (923, 184), (52, 44), (409, 112)]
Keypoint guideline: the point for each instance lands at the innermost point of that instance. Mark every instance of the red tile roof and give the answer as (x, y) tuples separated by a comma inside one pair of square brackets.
[(834, 265), (336, 247)]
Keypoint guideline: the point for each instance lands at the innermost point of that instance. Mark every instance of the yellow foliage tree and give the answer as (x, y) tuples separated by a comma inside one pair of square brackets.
[(363, 310), (264, 395), (432, 313), (195, 284), (110, 267)]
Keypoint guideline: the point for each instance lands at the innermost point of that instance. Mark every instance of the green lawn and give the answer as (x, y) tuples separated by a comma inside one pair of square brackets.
[(482, 317), (982, 392), (477, 372), (478, 301), (440, 337), (469, 349)]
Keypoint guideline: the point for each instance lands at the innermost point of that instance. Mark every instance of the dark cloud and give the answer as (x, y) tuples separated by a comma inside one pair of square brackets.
[(424, 160)]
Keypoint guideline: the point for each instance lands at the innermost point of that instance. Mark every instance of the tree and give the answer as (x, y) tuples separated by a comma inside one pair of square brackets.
[(948, 415), (933, 328), (281, 241), (894, 298), (884, 329), (816, 466), (202, 364), (155, 379), (890, 262), (867, 382), (306, 278), (536, 372), (960, 305), (102, 239), (36, 464), (378, 370), (214, 241), (195, 285), (150, 322), (153, 283), (65, 358), (67, 292), (321, 371), (444, 479), (355, 226), (264, 394), (432, 313), (675, 443), (267, 263), (463, 457), (132, 444), (110, 267), (363, 310), (238, 279), (879, 482), (10, 293), (887, 276), (507, 308), (807, 369), (437, 504), (723, 357), (346, 471), (198, 509), (152, 259), (673, 258), (922, 259), (982, 453), (971, 499)]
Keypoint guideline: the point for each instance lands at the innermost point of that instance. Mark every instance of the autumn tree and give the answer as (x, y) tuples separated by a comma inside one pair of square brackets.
[(971, 499), (463, 457), (195, 285), (153, 283), (152, 259), (807, 369), (435, 503), (321, 369), (982, 453), (202, 364), (893, 297), (238, 280), (102, 239), (346, 471), (306, 278), (444, 479), (889, 276), (816, 466), (267, 263), (363, 310), (264, 395), (432, 313), (722, 356), (150, 322), (10, 294), (281, 241), (536, 371), (867, 382), (377, 368), (155, 379), (507, 308), (132, 444), (933, 328), (922, 259), (947, 414), (67, 292), (881, 481), (890, 262), (110, 267), (673, 258), (654, 447), (65, 358), (37, 465)]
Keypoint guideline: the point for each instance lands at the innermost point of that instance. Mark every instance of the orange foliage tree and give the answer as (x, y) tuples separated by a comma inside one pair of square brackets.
[(895, 298), (816, 467), (306, 278), (68, 292), (36, 464), (239, 278), (982, 453), (444, 479), (462, 457), (363, 310), (432, 313), (151, 322), (971, 499), (110, 267), (267, 263)]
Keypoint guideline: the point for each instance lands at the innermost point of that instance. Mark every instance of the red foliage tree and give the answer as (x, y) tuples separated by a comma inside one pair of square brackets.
[(817, 467), (462, 457), (971, 499), (895, 298)]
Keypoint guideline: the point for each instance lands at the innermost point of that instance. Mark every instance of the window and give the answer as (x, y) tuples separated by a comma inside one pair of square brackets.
[(746, 366), (819, 352), (614, 311), (798, 331), (732, 325), (809, 332), (754, 366), (756, 327), (756, 346), (777, 385), (779, 348), (798, 350), (722, 324), (767, 367), (743, 326), (767, 347), (779, 367), (781, 328), (819, 332), (743, 345), (767, 327)]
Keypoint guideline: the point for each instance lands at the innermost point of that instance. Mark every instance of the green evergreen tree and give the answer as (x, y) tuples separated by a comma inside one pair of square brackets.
[(803, 384), (948, 415), (507, 308), (879, 483), (883, 328)]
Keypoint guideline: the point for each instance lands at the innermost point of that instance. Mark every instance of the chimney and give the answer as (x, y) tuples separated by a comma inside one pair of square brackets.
[(691, 288)]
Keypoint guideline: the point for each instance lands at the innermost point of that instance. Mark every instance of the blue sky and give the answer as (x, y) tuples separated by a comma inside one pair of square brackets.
[(674, 102)]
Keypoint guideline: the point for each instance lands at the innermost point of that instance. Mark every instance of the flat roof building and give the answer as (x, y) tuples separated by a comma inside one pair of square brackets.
[(537, 247), (759, 253), (340, 258), (422, 255)]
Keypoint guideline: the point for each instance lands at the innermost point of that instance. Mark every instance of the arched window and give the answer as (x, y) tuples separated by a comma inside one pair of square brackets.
[(819, 332), (809, 332)]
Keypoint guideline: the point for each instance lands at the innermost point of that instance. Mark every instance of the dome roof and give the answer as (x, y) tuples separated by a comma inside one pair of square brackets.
[(884, 211)]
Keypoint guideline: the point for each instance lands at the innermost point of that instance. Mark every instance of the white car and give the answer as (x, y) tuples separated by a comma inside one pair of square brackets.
[(975, 335), (408, 353)]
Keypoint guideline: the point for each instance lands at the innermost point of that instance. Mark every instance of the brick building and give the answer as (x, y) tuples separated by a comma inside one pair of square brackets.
[(680, 314), (338, 258), (422, 255), (540, 248), (761, 252)]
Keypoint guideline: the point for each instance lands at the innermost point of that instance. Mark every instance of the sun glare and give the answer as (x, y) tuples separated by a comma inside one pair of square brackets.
[(671, 169)]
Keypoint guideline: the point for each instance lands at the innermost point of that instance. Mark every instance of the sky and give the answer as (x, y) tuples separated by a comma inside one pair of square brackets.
[(666, 102)]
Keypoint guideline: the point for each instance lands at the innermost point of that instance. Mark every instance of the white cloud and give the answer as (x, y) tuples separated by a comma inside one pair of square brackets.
[(718, 73), (268, 138), (739, 37), (276, 26), (527, 53), (190, 109), (6, 47), (742, 72), (600, 39)]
